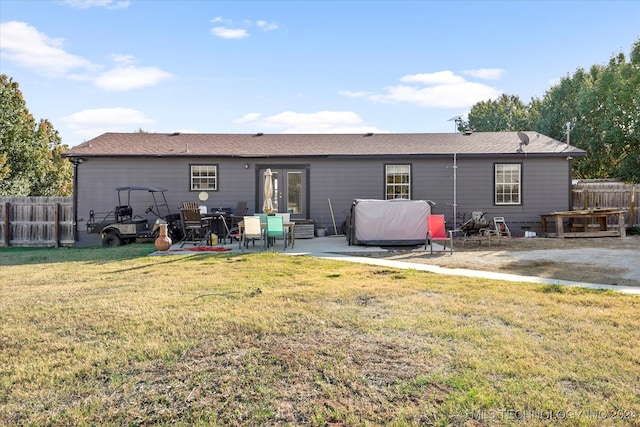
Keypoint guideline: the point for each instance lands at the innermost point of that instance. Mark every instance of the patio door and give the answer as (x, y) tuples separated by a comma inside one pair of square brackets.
[(290, 190)]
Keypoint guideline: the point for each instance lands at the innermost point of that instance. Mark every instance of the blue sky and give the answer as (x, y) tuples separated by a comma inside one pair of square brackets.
[(94, 66)]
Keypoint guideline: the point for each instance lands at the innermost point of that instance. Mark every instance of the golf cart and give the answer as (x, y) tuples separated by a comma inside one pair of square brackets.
[(120, 226)]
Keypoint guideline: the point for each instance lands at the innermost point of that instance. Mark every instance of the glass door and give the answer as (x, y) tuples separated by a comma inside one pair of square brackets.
[(289, 190)]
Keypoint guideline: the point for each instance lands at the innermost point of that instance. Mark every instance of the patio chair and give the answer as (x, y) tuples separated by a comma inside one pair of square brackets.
[(436, 231), (502, 229), (275, 230), (190, 205), (262, 216), (252, 230), (236, 216), (286, 219), (195, 228)]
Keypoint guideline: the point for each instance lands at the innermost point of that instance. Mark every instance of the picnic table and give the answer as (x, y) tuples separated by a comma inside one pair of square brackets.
[(603, 222)]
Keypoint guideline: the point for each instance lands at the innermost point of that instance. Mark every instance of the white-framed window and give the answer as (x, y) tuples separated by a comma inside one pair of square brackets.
[(204, 177), (508, 183), (397, 182)]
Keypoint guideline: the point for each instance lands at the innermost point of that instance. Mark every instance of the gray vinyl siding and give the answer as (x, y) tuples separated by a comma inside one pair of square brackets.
[(99, 177), (545, 185), (343, 180), (545, 188)]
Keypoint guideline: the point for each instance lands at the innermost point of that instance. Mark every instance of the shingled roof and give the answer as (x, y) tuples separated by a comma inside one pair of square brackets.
[(317, 145)]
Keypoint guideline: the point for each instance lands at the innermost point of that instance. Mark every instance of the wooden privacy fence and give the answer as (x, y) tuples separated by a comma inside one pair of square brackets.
[(36, 221), (607, 194)]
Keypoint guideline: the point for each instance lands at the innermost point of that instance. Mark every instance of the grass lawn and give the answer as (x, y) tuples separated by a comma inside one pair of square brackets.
[(111, 336)]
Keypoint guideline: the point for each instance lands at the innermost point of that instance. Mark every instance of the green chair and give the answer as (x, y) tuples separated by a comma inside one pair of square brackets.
[(276, 230), (262, 216)]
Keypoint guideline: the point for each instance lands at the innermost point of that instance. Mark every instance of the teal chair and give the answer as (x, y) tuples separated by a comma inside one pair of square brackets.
[(276, 230), (262, 216)]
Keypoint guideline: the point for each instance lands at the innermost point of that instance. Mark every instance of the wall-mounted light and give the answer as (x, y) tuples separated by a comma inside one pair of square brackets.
[(246, 165)]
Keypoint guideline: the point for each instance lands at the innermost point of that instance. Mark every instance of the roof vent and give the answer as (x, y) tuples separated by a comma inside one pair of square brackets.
[(368, 134), (259, 134), (468, 131), (175, 134)]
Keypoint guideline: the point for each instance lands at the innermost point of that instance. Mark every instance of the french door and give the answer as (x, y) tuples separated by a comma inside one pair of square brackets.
[(290, 189)]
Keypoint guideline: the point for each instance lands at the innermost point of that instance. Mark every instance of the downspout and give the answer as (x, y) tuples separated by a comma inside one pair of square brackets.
[(570, 174), (75, 162)]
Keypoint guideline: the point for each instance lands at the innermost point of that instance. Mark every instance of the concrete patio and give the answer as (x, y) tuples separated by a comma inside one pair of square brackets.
[(316, 245)]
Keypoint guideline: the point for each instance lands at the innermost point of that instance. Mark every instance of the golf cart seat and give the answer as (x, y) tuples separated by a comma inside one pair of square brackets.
[(123, 213)]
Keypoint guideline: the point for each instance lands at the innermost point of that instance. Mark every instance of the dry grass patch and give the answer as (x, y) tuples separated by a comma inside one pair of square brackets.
[(113, 337)]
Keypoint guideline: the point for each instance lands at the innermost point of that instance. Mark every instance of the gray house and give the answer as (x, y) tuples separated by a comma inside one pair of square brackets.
[(493, 172)]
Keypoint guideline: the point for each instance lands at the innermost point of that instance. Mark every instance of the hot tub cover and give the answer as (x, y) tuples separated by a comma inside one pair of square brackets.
[(395, 222)]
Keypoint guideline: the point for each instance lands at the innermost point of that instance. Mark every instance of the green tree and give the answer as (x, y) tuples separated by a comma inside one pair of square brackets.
[(615, 124), (507, 113), (30, 164), (601, 107), (55, 177), (559, 106)]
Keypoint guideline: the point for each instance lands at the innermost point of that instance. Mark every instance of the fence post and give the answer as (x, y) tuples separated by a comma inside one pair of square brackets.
[(56, 225), (632, 207), (7, 235)]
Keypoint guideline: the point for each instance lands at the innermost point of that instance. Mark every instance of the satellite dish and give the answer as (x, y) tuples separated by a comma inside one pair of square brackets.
[(524, 139), (458, 120), (203, 196)]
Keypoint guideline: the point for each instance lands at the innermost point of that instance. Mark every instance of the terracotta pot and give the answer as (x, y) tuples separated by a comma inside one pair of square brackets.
[(163, 242)]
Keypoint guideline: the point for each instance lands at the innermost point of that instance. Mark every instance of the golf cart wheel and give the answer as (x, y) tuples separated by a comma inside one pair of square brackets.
[(111, 239)]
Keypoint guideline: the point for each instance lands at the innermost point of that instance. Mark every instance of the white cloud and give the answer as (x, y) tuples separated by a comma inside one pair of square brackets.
[(442, 89), (351, 94), (319, 122), (130, 77), (228, 29), (485, 73), (444, 96), (229, 33), (107, 4), (439, 78), (123, 59), (29, 48), (94, 122), (250, 117), (267, 26)]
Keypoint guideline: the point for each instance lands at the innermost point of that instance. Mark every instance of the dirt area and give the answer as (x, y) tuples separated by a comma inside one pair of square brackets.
[(604, 260)]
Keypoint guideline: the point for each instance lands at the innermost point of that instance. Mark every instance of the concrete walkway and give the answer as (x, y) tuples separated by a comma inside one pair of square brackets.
[(476, 273), (337, 248)]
